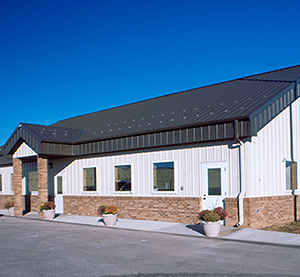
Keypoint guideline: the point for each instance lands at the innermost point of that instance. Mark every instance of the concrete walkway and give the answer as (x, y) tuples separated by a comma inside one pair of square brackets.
[(226, 233)]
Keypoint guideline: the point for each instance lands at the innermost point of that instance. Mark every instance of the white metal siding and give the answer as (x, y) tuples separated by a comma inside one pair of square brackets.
[(296, 136), (24, 151), (265, 158), (187, 170), (233, 178), (6, 179), (296, 129)]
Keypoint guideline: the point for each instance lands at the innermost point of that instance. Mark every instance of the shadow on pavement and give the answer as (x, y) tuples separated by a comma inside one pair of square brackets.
[(196, 227)]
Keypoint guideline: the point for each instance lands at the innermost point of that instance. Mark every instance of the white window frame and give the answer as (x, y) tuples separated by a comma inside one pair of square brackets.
[(82, 181), (157, 192), (114, 178)]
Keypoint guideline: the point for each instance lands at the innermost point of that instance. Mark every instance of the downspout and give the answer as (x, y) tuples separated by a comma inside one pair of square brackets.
[(241, 170), (292, 150)]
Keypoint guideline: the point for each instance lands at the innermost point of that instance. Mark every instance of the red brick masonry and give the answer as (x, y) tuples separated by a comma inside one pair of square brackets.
[(18, 197), (170, 209), (263, 211), (42, 165)]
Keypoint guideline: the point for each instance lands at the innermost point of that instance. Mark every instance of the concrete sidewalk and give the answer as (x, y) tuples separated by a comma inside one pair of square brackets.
[(226, 233)]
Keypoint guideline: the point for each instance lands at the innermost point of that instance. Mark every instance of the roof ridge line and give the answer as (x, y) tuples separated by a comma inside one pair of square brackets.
[(264, 80)]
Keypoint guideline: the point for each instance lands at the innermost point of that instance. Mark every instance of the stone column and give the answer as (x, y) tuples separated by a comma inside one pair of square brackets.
[(42, 167), (18, 197)]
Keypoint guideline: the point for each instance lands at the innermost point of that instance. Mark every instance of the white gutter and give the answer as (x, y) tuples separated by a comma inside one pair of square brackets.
[(242, 176)]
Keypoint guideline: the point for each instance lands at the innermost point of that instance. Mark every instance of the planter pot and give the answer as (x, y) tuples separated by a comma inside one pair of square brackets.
[(110, 219), (49, 214), (211, 229), (11, 211)]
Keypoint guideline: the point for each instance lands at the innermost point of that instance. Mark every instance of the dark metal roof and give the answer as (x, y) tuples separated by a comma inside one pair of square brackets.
[(192, 116), (54, 134), (221, 102), (34, 135), (289, 74)]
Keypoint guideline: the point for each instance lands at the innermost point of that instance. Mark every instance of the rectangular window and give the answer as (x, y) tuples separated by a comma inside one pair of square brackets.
[(291, 175), (33, 181), (0, 182), (123, 178), (12, 181), (59, 184), (89, 179), (163, 176), (214, 181)]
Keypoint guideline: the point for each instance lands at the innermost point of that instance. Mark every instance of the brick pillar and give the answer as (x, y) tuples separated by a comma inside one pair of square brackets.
[(18, 197), (42, 166)]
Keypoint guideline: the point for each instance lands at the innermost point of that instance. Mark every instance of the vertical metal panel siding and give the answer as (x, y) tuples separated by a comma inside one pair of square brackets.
[(233, 176), (265, 166), (6, 179), (187, 169), (27, 167), (24, 151), (296, 132), (267, 115)]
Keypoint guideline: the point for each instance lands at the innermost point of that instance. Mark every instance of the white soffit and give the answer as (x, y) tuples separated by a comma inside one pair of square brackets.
[(24, 151)]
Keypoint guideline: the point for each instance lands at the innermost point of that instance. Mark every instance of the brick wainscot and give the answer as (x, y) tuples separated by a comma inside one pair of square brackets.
[(170, 209), (263, 211)]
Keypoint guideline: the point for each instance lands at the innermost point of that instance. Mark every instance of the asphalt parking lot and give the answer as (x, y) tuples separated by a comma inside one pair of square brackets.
[(44, 248)]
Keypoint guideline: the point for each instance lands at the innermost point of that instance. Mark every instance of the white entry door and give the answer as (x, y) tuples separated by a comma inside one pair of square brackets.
[(214, 177), (59, 192)]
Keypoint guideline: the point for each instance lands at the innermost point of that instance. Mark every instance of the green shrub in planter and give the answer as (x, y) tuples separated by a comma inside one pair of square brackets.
[(9, 204), (210, 216)]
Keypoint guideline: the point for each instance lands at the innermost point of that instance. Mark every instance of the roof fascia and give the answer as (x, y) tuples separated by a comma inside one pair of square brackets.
[(262, 116), (223, 131), (270, 102)]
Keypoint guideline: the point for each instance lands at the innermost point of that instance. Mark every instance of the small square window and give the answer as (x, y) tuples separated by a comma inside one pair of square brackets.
[(163, 176), (123, 178), (89, 179)]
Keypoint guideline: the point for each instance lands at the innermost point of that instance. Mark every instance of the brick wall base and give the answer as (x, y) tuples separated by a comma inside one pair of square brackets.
[(34, 203), (168, 209), (231, 207), (263, 211)]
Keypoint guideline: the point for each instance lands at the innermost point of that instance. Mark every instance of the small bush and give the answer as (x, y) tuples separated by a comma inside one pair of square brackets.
[(107, 210), (9, 204), (211, 217)]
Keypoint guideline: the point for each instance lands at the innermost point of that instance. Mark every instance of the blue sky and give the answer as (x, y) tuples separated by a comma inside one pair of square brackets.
[(62, 58)]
